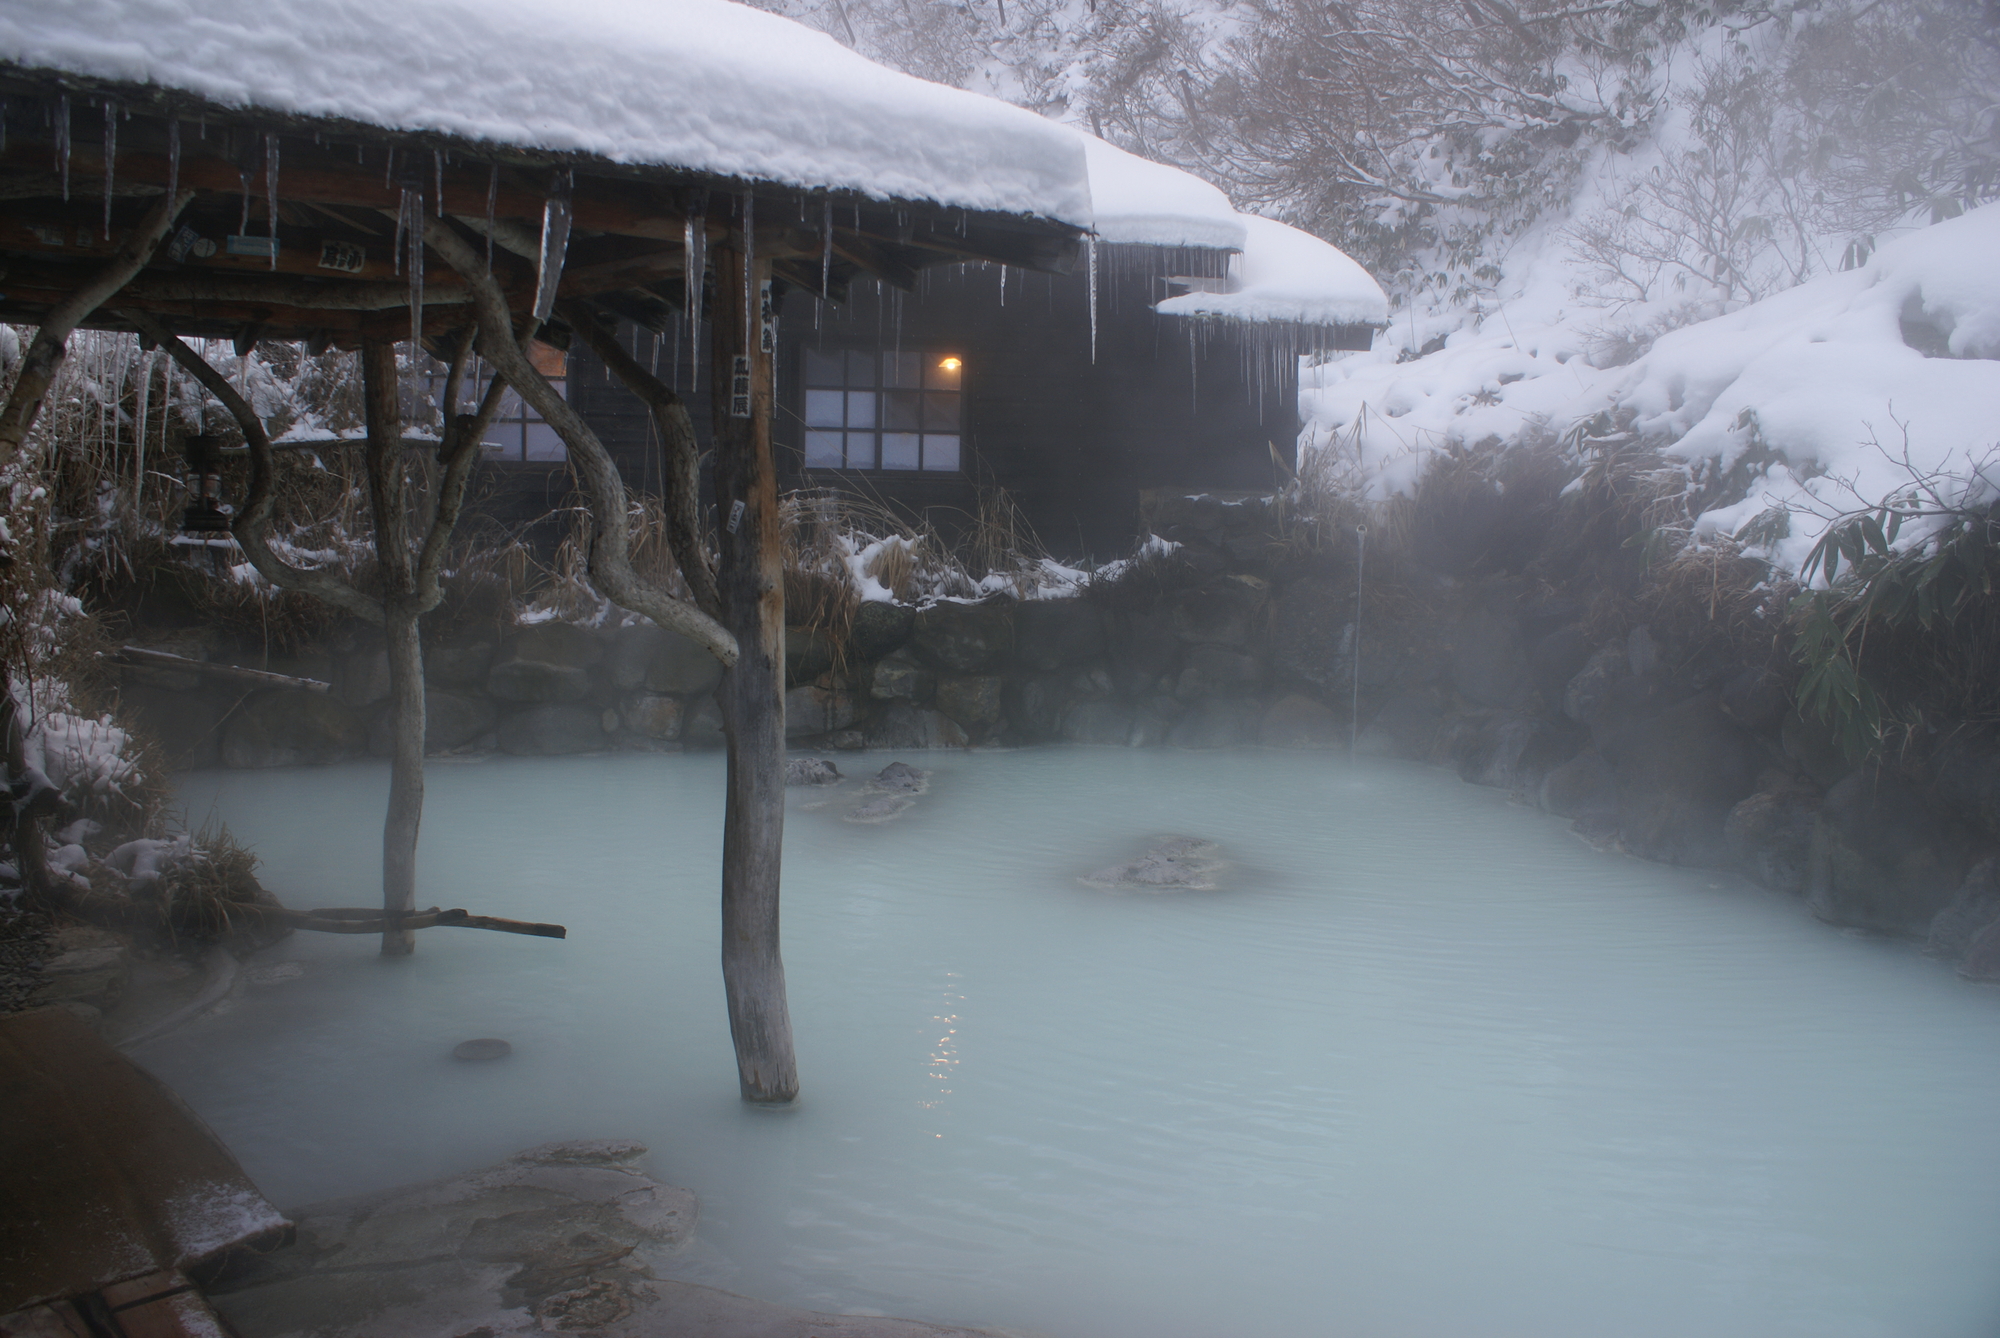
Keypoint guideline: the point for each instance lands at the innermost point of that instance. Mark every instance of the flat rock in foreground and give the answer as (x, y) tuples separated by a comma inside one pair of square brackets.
[(561, 1238)]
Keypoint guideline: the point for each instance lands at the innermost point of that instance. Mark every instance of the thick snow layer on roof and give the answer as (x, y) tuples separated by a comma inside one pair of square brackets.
[(1143, 203), (1284, 274), (700, 84), (1823, 375)]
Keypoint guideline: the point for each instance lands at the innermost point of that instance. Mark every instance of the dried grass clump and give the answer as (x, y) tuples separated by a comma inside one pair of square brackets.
[(1714, 603), (209, 894)]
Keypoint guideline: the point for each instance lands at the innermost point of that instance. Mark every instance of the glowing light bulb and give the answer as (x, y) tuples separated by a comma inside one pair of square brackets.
[(951, 364)]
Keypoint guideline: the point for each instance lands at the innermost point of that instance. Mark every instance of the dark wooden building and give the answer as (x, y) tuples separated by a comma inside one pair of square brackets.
[(984, 379)]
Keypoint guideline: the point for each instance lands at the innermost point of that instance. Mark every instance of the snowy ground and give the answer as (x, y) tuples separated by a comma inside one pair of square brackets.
[(1831, 393)]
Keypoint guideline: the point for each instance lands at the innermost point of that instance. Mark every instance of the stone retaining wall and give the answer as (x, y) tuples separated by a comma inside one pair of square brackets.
[(1669, 753)]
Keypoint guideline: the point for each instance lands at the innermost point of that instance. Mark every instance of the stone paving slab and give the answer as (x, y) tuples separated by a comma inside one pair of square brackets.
[(562, 1238)]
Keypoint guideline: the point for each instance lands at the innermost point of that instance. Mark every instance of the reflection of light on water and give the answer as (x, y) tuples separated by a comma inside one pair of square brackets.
[(944, 1058)]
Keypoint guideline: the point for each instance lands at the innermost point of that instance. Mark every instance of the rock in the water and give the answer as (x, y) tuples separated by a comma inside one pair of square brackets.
[(1770, 834), (889, 794), (1512, 752), (485, 1047), (811, 771), (1170, 864), (568, 1238), (879, 808), (1883, 857), (1679, 774), (901, 778), (1977, 906)]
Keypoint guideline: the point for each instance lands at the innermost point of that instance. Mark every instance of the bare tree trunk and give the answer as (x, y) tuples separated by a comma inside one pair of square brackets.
[(682, 476), (386, 491), (753, 696)]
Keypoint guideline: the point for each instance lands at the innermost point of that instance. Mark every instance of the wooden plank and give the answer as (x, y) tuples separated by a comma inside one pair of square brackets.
[(161, 1305), (160, 659)]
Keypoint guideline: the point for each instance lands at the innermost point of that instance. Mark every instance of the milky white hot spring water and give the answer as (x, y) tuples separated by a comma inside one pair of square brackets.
[(1423, 1066)]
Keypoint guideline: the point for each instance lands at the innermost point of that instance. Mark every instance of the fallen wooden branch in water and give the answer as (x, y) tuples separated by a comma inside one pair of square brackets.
[(159, 659), (345, 920)]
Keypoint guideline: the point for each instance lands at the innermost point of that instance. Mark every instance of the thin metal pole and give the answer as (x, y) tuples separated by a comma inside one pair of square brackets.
[(1360, 571)]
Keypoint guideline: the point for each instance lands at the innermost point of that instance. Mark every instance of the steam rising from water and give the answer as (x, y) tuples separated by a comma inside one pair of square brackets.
[(1421, 1065)]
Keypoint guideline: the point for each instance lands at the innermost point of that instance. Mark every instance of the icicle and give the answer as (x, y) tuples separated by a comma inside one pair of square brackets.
[(492, 198), (826, 253), (695, 243), (110, 159), (555, 244), (1090, 253), (173, 158), (437, 161), (271, 194), (1194, 373), (413, 204), (243, 227), (3, 125), (1003, 287), (402, 221), (749, 271), (389, 168), (146, 362), (62, 141)]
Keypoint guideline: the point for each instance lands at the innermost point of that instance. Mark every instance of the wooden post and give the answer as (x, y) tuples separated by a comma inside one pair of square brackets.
[(400, 609), (752, 588)]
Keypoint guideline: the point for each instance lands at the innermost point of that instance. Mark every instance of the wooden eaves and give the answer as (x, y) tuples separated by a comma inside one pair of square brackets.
[(339, 186)]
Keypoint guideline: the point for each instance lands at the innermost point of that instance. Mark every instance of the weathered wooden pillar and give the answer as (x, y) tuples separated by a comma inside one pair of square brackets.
[(400, 610), (752, 588)]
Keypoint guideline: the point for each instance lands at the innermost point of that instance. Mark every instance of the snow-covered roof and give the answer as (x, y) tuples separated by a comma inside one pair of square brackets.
[(1285, 275), (705, 85), (1143, 203)]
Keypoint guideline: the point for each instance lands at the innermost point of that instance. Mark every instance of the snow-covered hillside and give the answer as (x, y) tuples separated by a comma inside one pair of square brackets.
[(1823, 398)]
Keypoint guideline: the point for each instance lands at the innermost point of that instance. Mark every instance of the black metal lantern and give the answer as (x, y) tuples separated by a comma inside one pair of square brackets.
[(201, 456)]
